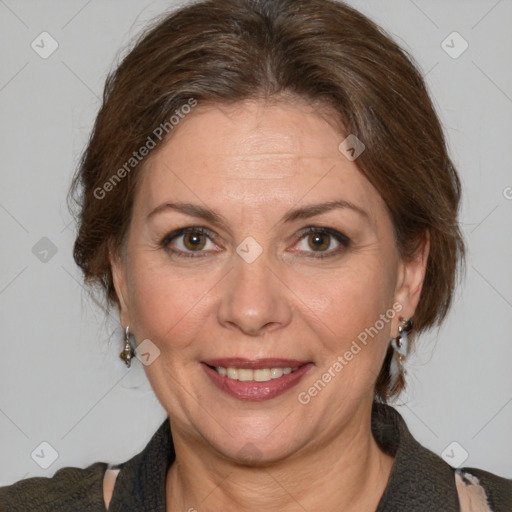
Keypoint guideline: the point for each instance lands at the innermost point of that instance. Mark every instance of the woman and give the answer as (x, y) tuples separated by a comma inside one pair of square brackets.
[(267, 200)]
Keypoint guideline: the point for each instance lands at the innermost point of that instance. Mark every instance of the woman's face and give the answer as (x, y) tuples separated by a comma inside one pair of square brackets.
[(289, 261)]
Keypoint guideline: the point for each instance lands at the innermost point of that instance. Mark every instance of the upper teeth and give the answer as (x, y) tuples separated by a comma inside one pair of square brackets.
[(260, 375)]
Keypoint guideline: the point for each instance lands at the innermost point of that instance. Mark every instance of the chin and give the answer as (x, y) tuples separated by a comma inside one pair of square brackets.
[(255, 447)]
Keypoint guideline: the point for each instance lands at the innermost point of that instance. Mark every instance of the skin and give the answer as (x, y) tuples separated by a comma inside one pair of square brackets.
[(252, 163)]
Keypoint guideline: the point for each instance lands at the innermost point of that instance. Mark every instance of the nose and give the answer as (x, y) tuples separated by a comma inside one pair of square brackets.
[(254, 299)]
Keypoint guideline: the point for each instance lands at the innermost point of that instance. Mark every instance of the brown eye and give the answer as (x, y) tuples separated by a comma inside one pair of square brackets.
[(194, 240), (319, 241), (188, 242)]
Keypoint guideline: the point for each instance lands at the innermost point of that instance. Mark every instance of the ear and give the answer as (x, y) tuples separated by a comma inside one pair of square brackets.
[(410, 278), (119, 277)]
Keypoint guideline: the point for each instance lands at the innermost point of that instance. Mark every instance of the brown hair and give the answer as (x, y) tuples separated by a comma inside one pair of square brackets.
[(320, 50)]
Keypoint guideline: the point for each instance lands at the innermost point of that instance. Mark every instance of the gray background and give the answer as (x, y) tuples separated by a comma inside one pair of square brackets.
[(61, 380)]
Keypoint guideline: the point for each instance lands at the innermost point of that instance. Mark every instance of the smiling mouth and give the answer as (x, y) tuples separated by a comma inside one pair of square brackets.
[(257, 375), (255, 379)]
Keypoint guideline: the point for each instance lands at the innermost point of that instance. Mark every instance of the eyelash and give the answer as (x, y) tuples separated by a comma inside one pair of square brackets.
[(343, 240)]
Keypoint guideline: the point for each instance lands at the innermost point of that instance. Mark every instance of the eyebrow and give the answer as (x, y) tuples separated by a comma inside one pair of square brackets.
[(306, 212)]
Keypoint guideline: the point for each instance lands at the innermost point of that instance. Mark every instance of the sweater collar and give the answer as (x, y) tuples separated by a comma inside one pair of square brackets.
[(419, 481)]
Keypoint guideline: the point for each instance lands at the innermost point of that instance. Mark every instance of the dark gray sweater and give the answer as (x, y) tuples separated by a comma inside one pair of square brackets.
[(420, 481)]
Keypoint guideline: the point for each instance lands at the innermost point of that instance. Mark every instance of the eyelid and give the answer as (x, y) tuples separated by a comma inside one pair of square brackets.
[(338, 235), (343, 240), (183, 231)]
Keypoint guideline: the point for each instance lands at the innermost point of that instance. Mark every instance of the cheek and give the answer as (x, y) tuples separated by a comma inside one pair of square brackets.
[(165, 306), (351, 310), (352, 296), (353, 325)]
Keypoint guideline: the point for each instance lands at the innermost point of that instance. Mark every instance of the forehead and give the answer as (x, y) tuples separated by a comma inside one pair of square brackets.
[(256, 153)]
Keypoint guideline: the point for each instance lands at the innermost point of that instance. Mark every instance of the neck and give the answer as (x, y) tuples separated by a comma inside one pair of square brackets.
[(348, 472)]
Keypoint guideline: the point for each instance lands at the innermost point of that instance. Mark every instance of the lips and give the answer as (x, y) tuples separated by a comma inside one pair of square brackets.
[(230, 376)]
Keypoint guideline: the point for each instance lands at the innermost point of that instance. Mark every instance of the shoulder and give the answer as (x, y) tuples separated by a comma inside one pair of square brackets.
[(498, 490), (422, 481), (70, 488)]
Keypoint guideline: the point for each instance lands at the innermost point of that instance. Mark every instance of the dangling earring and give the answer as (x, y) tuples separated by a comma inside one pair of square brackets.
[(401, 348), (127, 353)]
